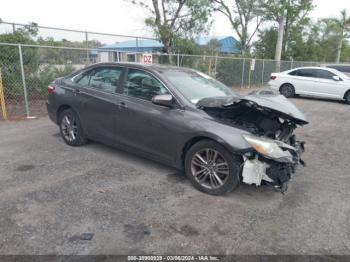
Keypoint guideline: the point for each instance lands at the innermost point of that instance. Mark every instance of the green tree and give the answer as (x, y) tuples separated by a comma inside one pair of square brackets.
[(41, 65), (291, 12), (310, 41), (9, 59), (342, 26), (212, 48), (317, 41), (171, 19), (241, 14), (264, 47), (345, 53), (185, 46)]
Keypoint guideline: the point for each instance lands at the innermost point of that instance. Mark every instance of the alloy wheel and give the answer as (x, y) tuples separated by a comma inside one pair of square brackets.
[(287, 91), (347, 98), (209, 168), (69, 128)]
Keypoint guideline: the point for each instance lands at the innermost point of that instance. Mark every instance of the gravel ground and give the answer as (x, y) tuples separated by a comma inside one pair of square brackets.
[(51, 194)]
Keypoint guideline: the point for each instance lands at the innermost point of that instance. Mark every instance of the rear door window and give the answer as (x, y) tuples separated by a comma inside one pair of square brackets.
[(103, 78), (293, 73), (303, 73)]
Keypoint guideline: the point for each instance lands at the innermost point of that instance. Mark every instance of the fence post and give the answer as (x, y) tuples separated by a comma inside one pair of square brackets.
[(178, 60), (242, 81), (249, 73), (262, 73), (23, 80), (137, 44), (2, 99), (87, 48), (117, 56)]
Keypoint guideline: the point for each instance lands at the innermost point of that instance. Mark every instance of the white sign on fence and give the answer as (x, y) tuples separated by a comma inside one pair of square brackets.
[(104, 57), (252, 65), (147, 58)]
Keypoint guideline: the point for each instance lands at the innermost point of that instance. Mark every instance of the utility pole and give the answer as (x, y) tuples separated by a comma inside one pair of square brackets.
[(278, 53), (87, 48), (340, 44)]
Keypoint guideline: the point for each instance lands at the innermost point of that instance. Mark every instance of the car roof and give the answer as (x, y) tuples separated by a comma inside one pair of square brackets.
[(344, 64), (335, 71), (308, 67), (154, 67), (314, 67)]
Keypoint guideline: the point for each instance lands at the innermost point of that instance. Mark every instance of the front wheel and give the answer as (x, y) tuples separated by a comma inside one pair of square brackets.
[(347, 97), (70, 128), (287, 90), (211, 168)]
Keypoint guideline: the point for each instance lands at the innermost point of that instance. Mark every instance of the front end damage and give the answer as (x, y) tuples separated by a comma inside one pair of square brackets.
[(270, 119), (260, 169)]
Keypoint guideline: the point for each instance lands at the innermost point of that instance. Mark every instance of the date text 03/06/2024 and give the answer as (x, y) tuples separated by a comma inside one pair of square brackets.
[(173, 258)]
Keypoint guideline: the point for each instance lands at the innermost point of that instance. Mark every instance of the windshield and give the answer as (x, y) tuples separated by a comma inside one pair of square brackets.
[(195, 85), (343, 76), (343, 69)]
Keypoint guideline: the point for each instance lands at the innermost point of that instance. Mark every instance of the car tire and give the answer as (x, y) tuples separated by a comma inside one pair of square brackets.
[(207, 163), (70, 128), (347, 97), (287, 90)]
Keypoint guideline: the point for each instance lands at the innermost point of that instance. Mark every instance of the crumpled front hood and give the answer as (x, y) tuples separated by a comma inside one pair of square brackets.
[(276, 102), (264, 99)]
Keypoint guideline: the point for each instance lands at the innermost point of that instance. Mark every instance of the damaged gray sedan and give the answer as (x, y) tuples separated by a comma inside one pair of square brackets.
[(182, 118)]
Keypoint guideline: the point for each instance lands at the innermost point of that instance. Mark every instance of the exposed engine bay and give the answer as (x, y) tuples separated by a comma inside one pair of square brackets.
[(270, 118)]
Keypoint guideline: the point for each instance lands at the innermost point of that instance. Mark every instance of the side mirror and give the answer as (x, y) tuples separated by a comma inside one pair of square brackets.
[(163, 100), (336, 78)]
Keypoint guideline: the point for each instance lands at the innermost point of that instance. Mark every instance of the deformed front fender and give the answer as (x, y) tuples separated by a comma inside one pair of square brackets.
[(231, 138)]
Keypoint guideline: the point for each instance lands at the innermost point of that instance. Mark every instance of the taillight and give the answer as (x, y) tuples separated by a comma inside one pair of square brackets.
[(50, 89), (273, 77)]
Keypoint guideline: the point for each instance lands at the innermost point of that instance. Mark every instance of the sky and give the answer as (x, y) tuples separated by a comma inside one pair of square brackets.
[(114, 16)]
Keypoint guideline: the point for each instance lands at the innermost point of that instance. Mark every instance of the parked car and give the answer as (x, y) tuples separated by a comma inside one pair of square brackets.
[(182, 118), (312, 81), (344, 68)]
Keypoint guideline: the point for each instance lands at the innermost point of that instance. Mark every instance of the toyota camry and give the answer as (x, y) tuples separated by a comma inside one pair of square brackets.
[(182, 118)]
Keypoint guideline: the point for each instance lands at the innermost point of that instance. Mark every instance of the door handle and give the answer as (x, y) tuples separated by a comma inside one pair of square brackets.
[(76, 91), (122, 105)]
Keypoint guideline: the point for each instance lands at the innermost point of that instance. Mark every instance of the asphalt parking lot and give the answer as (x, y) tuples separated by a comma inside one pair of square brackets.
[(51, 194)]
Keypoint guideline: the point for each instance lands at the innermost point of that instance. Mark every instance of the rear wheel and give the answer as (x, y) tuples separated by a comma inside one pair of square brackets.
[(70, 128), (211, 168), (287, 90), (347, 97)]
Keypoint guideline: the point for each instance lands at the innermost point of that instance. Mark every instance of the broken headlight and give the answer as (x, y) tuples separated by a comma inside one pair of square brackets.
[(268, 148)]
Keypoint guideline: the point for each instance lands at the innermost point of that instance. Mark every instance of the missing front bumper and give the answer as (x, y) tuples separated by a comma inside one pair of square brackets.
[(259, 170)]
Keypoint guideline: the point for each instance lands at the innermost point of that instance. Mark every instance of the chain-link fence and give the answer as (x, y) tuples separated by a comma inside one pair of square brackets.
[(27, 70), (234, 72), (85, 39), (12, 82)]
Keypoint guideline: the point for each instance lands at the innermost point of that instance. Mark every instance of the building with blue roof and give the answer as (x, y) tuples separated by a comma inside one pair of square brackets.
[(228, 44), (135, 46), (127, 50)]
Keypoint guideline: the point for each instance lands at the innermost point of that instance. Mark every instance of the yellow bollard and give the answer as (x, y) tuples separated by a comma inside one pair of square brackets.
[(2, 98)]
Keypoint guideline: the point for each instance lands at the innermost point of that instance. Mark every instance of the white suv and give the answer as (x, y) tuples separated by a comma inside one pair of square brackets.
[(312, 81)]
